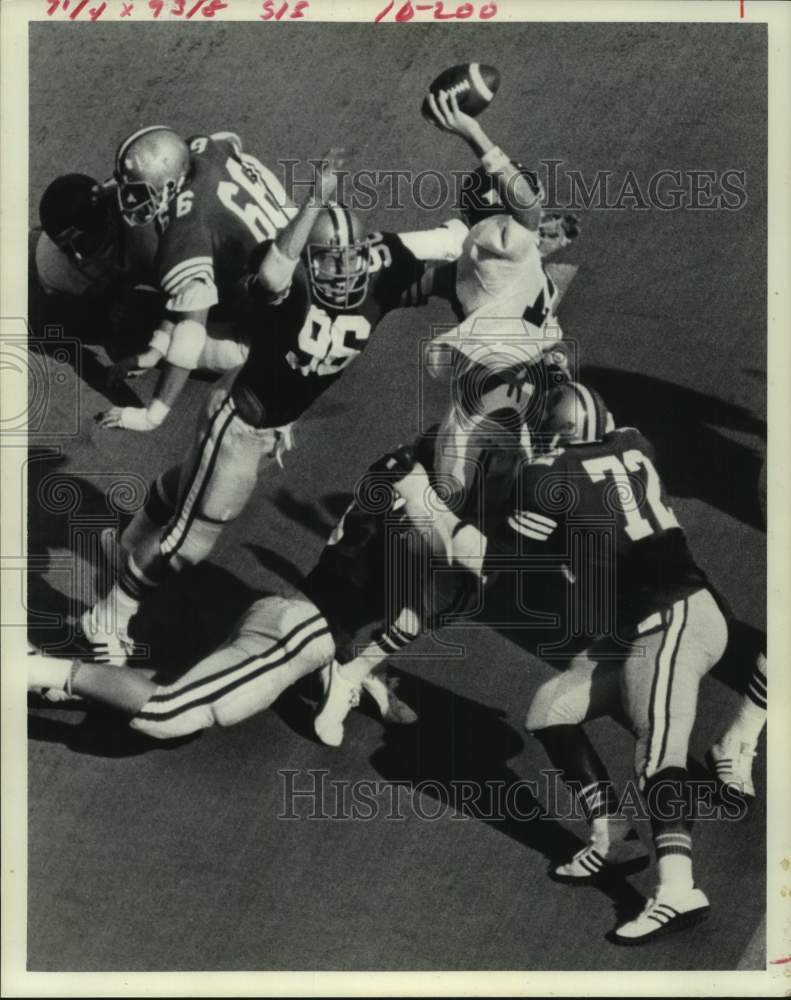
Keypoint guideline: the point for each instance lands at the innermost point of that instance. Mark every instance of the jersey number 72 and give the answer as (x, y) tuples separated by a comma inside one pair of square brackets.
[(622, 497)]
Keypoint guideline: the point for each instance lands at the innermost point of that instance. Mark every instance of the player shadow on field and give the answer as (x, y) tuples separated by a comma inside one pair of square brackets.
[(694, 457), (64, 328), (458, 744), (60, 507), (188, 618), (319, 518)]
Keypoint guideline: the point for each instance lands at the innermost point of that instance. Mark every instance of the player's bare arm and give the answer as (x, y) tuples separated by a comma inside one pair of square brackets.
[(184, 350), (277, 267), (460, 543), (149, 358), (521, 201)]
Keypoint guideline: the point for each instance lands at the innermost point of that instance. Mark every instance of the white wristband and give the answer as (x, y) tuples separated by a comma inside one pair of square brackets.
[(138, 418)]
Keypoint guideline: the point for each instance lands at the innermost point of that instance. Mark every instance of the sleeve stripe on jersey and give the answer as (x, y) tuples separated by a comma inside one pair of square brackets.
[(528, 532), (524, 522), (231, 137), (535, 521), (175, 274), (417, 293), (541, 518), (203, 275)]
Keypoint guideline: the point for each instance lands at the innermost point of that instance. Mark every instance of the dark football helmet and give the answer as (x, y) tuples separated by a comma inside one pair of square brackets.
[(571, 413), (338, 258), (77, 216), (151, 166), (479, 199)]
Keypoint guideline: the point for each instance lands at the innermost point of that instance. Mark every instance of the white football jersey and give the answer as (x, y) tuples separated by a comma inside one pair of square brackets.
[(501, 262)]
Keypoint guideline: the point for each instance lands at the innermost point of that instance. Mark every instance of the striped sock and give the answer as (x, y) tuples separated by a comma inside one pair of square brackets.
[(599, 804), (395, 637), (149, 521), (750, 716), (674, 860), (120, 605), (133, 584), (598, 800)]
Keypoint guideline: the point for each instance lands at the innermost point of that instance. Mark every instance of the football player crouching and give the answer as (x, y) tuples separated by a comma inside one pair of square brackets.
[(78, 251), (208, 204), (86, 256)]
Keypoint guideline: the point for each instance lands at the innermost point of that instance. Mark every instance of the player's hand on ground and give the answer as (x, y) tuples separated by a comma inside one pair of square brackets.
[(111, 418), (448, 116)]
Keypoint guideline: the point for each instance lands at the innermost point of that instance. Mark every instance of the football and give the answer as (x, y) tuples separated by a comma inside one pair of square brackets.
[(475, 85)]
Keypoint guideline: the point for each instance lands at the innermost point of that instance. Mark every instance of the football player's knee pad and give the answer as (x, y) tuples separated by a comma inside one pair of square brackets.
[(200, 539), (550, 708)]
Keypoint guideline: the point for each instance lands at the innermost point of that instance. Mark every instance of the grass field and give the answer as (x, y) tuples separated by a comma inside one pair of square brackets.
[(174, 857)]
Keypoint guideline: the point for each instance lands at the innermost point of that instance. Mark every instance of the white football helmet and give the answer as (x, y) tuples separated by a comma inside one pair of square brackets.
[(151, 166)]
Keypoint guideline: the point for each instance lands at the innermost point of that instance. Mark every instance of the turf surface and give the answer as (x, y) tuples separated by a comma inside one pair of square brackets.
[(159, 858)]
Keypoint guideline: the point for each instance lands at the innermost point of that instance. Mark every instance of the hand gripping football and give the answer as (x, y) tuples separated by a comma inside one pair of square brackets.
[(474, 84)]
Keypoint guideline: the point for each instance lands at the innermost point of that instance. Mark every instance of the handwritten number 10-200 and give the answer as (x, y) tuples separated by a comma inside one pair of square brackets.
[(464, 10)]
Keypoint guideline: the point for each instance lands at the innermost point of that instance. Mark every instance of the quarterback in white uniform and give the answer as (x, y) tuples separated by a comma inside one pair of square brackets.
[(503, 296)]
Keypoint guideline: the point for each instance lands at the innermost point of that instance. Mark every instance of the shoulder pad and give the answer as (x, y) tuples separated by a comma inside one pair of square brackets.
[(230, 137)]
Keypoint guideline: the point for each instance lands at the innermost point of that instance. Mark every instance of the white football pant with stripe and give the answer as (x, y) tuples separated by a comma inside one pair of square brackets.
[(215, 482), (276, 642), (653, 688)]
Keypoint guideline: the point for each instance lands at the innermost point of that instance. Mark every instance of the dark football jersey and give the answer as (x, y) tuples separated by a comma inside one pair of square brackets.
[(376, 562), (599, 512), (349, 582), (299, 348), (229, 204)]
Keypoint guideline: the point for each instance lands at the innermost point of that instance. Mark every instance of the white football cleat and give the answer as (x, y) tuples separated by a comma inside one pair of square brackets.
[(590, 865), (340, 698), (111, 644), (391, 707), (732, 762), (666, 913)]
